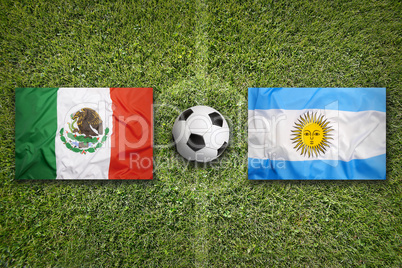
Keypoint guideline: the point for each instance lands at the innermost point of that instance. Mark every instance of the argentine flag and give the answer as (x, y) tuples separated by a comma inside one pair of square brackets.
[(316, 133)]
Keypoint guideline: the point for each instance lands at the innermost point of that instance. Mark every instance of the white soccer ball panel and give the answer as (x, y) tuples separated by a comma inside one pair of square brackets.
[(200, 109), (180, 131), (199, 123), (206, 155), (185, 151), (216, 136), (225, 124)]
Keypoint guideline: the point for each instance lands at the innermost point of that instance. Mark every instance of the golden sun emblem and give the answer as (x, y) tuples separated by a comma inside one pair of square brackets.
[(311, 134)]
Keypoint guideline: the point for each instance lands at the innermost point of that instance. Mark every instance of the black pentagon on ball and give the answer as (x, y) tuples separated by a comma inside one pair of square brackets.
[(222, 148), (216, 119), (196, 142), (185, 114)]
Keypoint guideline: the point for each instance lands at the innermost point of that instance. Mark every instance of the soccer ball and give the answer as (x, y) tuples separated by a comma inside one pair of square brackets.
[(201, 134)]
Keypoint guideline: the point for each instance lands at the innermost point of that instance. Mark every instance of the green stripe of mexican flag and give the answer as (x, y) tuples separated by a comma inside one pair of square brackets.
[(84, 133)]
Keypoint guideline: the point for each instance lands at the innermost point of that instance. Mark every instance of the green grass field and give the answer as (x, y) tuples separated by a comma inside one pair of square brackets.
[(200, 53)]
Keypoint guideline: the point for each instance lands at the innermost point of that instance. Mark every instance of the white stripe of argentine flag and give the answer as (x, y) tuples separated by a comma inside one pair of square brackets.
[(316, 133)]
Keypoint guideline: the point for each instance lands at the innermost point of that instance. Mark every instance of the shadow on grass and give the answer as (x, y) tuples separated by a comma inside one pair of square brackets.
[(318, 182), (78, 182)]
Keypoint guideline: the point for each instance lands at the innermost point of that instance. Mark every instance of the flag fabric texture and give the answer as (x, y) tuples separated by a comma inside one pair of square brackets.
[(84, 133), (317, 133)]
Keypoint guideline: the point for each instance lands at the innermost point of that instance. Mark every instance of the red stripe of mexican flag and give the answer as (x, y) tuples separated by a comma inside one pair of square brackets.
[(84, 133), (132, 138)]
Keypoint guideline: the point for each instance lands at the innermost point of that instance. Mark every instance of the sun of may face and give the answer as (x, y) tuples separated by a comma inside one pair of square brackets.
[(311, 134)]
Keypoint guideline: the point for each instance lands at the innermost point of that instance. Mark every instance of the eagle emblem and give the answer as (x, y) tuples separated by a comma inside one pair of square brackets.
[(88, 122), (85, 133)]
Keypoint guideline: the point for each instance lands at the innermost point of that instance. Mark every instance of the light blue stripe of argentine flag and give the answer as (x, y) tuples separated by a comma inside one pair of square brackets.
[(358, 169), (348, 99)]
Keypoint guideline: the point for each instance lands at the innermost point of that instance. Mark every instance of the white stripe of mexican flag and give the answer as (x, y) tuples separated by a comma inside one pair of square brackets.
[(71, 164)]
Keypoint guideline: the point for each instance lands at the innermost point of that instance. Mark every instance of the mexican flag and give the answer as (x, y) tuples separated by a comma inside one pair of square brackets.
[(83, 133)]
